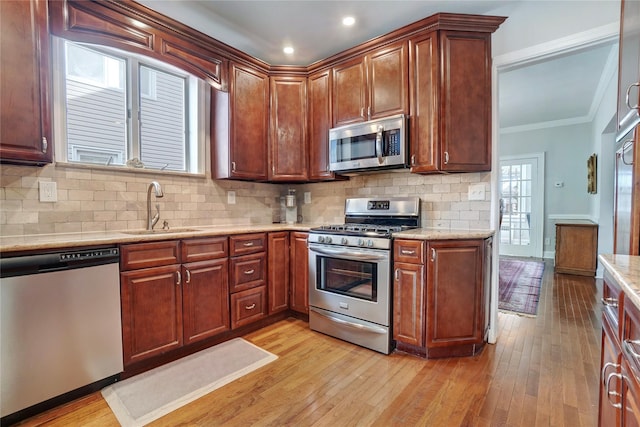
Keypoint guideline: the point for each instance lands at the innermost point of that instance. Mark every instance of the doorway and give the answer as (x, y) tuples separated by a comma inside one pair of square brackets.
[(521, 190)]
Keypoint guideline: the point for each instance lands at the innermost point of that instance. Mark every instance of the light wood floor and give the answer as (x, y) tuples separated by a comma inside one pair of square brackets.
[(542, 372)]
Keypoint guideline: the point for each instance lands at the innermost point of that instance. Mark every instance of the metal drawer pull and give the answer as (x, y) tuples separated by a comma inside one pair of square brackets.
[(247, 244), (396, 274), (45, 144), (433, 254), (357, 326), (604, 371), (179, 278), (250, 307), (405, 252), (634, 107), (625, 145), (614, 393), (233, 166), (628, 345), (446, 157), (249, 271), (188, 276), (610, 302)]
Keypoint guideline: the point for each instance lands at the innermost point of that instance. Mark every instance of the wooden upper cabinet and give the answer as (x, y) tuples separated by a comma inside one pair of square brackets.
[(371, 86), (133, 27), (288, 129), (25, 122), (629, 63), (450, 85), (319, 102), (240, 123)]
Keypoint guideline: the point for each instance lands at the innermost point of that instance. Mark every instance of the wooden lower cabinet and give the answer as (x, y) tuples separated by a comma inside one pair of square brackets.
[(299, 258), (278, 271), (439, 307), (151, 312), (576, 248), (165, 304), (205, 299), (408, 304)]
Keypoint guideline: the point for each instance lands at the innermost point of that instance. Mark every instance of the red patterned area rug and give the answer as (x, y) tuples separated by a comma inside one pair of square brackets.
[(519, 286)]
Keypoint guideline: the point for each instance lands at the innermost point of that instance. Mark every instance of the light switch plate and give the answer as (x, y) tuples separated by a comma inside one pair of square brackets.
[(48, 191), (231, 197), (476, 192), (307, 197)]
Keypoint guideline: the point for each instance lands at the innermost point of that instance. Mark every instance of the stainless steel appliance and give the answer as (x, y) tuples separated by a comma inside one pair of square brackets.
[(350, 270), (376, 144), (60, 327)]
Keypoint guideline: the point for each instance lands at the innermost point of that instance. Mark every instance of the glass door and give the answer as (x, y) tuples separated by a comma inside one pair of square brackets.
[(521, 206)]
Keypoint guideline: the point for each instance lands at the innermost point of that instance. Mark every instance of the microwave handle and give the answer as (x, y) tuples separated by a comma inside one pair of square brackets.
[(379, 153)]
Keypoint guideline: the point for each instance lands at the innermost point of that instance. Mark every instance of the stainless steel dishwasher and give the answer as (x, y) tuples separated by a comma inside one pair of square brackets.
[(60, 326)]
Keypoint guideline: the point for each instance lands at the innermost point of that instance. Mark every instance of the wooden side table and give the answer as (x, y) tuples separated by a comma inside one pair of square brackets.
[(576, 247)]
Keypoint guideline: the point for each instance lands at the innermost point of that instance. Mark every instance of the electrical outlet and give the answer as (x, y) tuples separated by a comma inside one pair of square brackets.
[(307, 197), (231, 197), (48, 191)]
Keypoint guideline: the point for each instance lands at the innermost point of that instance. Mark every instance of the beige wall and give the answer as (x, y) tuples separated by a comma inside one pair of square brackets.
[(98, 200)]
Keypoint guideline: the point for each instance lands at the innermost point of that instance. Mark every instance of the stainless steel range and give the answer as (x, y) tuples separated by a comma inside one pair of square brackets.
[(350, 270)]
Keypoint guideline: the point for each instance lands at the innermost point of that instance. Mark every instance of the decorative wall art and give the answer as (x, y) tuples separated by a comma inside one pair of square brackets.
[(592, 165)]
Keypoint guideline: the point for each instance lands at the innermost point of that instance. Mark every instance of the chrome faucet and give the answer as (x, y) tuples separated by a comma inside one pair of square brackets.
[(151, 221)]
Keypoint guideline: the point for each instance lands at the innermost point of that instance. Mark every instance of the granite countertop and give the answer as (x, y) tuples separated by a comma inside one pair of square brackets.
[(625, 269), (34, 242)]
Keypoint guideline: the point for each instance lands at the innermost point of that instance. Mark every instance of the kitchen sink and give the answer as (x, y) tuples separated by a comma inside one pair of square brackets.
[(161, 231)]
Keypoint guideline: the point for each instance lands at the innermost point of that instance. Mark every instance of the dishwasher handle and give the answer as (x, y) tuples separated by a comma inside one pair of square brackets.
[(57, 261)]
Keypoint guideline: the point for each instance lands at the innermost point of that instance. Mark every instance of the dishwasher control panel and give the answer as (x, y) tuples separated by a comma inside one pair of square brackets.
[(89, 254)]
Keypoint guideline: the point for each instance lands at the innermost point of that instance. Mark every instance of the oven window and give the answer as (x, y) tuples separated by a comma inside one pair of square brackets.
[(357, 279)]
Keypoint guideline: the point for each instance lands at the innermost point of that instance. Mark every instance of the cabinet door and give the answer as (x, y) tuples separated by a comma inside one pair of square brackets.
[(25, 122), (455, 309), (408, 304), (630, 397), (151, 312), (299, 273), (319, 125), (388, 77), (249, 121), (465, 101), (350, 92), (205, 299), (288, 129), (629, 58), (278, 272), (423, 88)]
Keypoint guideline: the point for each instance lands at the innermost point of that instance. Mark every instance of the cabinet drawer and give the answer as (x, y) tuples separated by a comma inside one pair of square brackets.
[(203, 249), (612, 302), (631, 336), (248, 243), (247, 272), (144, 255), (248, 306), (410, 251)]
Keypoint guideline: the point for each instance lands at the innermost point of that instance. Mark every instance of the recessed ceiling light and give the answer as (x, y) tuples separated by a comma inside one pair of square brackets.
[(288, 50), (348, 21)]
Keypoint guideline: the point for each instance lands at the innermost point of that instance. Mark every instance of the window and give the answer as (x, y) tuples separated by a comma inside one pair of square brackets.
[(114, 108)]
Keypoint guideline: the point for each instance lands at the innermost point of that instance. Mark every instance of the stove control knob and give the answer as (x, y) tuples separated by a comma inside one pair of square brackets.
[(327, 239), (320, 239), (360, 242), (344, 241), (370, 243)]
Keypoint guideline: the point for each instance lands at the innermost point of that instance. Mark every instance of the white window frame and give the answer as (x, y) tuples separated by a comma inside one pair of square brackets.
[(197, 118)]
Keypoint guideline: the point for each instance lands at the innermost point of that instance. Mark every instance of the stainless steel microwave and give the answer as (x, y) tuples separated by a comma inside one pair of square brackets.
[(376, 144)]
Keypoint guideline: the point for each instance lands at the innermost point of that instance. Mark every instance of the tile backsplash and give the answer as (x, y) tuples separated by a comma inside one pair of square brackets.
[(103, 200)]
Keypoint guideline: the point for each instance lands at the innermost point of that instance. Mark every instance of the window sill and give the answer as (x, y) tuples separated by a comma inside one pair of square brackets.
[(125, 169)]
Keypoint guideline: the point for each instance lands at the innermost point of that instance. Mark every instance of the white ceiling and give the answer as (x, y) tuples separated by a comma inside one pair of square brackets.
[(564, 89)]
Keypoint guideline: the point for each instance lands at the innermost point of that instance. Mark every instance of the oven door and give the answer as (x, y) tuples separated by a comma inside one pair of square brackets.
[(351, 281)]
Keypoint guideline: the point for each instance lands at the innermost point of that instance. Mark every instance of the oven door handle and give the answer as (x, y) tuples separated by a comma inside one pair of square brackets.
[(349, 254), (358, 326)]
